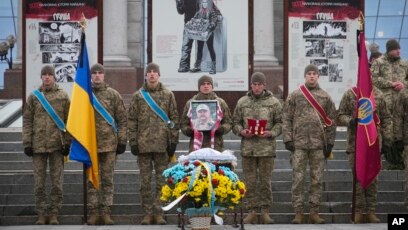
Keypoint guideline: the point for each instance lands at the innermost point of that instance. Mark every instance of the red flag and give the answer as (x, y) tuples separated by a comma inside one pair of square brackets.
[(368, 158)]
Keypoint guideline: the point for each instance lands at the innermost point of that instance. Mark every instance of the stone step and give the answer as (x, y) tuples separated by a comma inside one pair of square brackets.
[(13, 146), (127, 155), (133, 187), (128, 176), (15, 134), (134, 197), (172, 220), (132, 165), (136, 209)]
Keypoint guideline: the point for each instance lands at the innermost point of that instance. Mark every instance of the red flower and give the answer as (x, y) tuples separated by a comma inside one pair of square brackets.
[(196, 163), (221, 172), (214, 182), (242, 191), (214, 163), (170, 180), (204, 172), (185, 179), (186, 163)]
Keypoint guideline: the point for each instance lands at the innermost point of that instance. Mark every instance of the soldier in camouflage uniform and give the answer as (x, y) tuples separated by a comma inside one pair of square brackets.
[(205, 86), (258, 151), (305, 134), (400, 123), (389, 73), (150, 138), (366, 200), (46, 144), (110, 143)]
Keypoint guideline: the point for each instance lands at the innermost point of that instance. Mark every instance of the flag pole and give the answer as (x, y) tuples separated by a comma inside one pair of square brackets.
[(353, 202), (83, 25), (85, 195)]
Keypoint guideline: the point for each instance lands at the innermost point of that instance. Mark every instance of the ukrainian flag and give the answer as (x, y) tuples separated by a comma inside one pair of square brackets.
[(81, 118)]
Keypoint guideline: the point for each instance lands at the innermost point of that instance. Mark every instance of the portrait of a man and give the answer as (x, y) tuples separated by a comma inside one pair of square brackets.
[(204, 115)]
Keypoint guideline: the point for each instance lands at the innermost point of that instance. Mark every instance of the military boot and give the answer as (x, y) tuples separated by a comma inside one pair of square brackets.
[(372, 218), (265, 218), (197, 67), (213, 69), (299, 217), (53, 220), (358, 218), (107, 220), (158, 219), (314, 218), (147, 220), (251, 218), (41, 220), (93, 219)]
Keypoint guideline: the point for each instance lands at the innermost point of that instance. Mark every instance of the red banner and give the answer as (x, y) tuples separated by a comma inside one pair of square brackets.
[(368, 158)]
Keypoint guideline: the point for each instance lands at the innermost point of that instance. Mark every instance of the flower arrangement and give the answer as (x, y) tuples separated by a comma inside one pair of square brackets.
[(202, 184)]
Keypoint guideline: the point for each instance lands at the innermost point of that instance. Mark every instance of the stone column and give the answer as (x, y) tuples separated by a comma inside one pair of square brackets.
[(263, 34), (17, 63), (115, 42)]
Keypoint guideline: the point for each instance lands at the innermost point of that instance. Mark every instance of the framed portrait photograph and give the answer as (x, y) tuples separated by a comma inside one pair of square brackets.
[(203, 114)]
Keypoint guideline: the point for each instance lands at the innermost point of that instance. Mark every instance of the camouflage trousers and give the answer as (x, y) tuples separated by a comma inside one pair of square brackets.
[(147, 162), (258, 175), (366, 200), (300, 159), (56, 171), (101, 201)]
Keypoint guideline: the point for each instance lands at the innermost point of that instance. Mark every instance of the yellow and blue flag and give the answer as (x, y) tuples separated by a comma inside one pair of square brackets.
[(81, 118)]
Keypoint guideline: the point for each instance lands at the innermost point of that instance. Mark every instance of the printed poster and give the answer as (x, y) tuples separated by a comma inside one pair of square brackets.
[(323, 33), (191, 38), (52, 37)]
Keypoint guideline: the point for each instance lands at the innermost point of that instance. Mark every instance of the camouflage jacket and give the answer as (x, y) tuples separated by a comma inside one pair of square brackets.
[(147, 130), (384, 72), (106, 137), (226, 122), (400, 117), (347, 111), (302, 124), (265, 107), (39, 130)]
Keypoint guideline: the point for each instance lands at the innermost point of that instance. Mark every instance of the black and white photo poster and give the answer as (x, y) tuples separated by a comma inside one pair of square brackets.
[(323, 33), (53, 37)]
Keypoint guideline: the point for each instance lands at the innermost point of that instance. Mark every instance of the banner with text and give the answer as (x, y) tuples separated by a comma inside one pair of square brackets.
[(53, 36), (323, 33)]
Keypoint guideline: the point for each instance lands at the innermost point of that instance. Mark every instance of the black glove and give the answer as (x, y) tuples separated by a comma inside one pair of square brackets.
[(189, 132), (65, 150), (121, 148), (399, 146), (386, 150), (134, 150), (327, 149), (220, 131), (290, 146), (171, 149), (211, 27), (28, 151), (353, 122)]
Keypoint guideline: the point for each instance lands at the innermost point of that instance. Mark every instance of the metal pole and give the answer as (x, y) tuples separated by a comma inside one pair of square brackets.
[(11, 57), (353, 202), (85, 194)]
